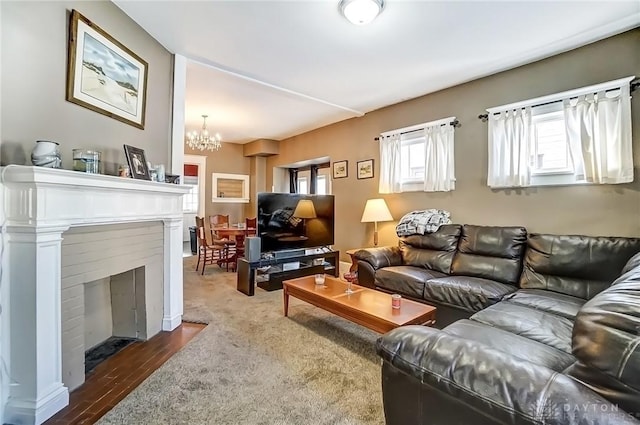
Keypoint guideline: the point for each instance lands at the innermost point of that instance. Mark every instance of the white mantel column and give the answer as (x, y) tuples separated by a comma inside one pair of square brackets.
[(36, 389), (173, 306)]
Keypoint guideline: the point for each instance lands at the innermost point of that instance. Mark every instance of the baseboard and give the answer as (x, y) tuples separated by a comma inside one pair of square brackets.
[(35, 413), (170, 323)]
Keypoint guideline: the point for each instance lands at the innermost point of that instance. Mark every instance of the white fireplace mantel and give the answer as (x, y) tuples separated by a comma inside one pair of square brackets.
[(39, 205)]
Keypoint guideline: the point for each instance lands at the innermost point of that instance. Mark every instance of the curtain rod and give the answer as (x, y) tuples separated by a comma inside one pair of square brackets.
[(634, 84), (406, 130)]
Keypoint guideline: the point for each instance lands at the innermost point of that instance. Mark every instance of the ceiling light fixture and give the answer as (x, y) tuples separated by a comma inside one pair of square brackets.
[(203, 140), (361, 12)]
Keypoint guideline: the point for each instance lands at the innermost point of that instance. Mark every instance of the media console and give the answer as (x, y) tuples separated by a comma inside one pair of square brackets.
[(273, 270)]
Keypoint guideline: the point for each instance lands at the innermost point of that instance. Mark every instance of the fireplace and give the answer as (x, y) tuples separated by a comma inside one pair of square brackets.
[(111, 280), (55, 220)]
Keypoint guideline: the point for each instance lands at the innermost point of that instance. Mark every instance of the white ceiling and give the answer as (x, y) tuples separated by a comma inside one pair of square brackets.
[(274, 69)]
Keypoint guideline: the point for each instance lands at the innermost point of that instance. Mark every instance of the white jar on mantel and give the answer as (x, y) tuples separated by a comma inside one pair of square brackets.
[(46, 154)]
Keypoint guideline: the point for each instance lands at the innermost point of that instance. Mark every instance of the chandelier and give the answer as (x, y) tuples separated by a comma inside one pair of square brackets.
[(203, 140)]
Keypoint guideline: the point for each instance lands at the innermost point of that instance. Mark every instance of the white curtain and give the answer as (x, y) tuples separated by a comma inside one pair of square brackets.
[(509, 145), (390, 173), (439, 161), (599, 134)]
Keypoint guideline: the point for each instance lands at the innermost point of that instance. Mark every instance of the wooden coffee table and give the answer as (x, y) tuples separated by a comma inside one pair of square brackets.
[(366, 307)]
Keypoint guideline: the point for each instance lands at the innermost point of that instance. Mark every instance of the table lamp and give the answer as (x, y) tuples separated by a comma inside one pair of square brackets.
[(305, 210), (374, 211)]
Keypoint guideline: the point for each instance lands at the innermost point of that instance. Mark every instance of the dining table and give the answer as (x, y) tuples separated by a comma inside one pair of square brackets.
[(230, 232)]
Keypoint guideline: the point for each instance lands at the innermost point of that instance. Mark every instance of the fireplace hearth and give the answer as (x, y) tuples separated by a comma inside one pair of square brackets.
[(101, 352)]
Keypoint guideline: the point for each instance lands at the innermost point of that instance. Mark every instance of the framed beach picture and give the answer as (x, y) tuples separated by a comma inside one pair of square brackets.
[(365, 169), (103, 75), (340, 169), (137, 162)]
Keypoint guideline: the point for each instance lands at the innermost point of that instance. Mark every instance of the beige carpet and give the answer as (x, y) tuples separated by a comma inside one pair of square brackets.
[(251, 365)]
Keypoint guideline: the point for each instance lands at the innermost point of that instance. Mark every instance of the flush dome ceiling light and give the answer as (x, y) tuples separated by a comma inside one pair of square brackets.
[(361, 12)]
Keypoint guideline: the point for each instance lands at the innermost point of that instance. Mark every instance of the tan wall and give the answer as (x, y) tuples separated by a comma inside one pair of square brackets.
[(34, 58), (229, 159), (257, 183), (592, 210)]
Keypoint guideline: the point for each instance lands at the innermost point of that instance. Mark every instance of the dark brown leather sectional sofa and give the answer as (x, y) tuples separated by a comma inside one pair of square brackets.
[(536, 329)]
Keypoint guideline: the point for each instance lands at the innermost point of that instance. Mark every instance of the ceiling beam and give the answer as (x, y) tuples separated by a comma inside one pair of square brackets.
[(224, 70)]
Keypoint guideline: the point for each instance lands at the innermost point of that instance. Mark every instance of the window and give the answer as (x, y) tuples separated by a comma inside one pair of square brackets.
[(418, 158), (322, 183), (412, 158), (550, 160), (574, 137), (303, 185), (190, 200), (550, 151)]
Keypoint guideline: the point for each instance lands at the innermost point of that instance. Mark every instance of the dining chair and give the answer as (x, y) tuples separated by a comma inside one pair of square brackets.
[(251, 223), (207, 254), (199, 224), (216, 221), (238, 251)]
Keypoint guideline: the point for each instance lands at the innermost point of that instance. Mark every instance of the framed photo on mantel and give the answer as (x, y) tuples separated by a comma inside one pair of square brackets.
[(103, 75), (137, 163)]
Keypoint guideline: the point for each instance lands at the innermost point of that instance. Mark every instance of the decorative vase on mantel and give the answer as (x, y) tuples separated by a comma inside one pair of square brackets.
[(46, 154)]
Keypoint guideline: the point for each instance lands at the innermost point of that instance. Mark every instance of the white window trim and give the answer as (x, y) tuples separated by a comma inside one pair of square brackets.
[(546, 112), (201, 162), (416, 184), (305, 180)]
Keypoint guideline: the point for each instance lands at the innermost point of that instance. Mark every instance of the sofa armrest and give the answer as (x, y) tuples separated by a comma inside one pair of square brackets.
[(384, 256), (372, 259), (466, 379)]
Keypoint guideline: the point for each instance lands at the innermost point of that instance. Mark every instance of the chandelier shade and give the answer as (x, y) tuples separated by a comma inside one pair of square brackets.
[(203, 140)]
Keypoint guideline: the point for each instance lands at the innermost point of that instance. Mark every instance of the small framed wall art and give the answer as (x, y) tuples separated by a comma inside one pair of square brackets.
[(137, 163), (340, 169), (365, 169)]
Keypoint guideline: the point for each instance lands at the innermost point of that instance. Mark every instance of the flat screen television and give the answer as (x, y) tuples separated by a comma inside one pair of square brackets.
[(284, 222)]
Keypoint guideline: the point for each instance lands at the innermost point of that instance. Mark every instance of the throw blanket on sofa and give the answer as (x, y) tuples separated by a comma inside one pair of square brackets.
[(421, 222)]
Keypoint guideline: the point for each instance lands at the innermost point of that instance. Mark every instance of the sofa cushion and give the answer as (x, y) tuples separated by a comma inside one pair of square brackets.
[(606, 337), (580, 266), (551, 302), (515, 345), (490, 252), (406, 280), (464, 292), (546, 328), (433, 250)]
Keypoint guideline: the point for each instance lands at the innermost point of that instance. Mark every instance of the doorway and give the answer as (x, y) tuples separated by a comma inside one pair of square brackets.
[(195, 171)]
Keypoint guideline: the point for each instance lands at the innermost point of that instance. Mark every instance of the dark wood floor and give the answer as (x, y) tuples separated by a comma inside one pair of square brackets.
[(117, 376)]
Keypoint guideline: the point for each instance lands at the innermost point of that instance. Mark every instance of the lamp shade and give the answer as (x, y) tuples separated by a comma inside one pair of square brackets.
[(376, 210), (305, 209)]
